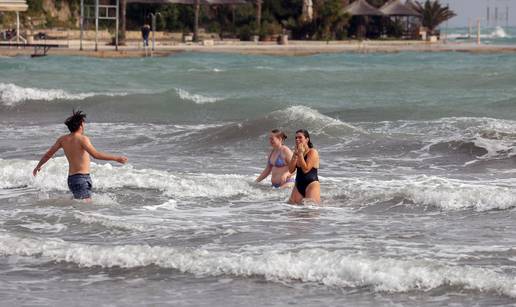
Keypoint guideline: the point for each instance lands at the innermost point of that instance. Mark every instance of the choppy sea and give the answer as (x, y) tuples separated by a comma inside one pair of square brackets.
[(418, 179)]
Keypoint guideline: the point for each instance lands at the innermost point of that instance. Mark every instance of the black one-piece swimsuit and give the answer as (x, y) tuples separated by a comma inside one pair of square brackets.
[(303, 180)]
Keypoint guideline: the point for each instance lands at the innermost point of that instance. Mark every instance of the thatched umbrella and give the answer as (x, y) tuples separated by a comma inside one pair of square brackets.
[(394, 8), (363, 9)]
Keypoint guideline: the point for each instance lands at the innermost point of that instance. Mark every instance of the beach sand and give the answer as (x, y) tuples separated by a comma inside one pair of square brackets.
[(294, 48)]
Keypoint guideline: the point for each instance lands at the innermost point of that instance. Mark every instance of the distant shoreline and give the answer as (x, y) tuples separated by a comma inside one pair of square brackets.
[(294, 48)]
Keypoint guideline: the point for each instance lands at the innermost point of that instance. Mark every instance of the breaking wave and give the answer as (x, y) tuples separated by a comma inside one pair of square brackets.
[(289, 119), (197, 98), (431, 191), (331, 268), (481, 138), (12, 94), (15, 173)]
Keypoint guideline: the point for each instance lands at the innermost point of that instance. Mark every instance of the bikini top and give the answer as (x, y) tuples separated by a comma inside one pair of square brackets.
[(280, 162)]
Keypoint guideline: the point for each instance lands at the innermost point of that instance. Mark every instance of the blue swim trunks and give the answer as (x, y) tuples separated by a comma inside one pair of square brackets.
[(80, 185)]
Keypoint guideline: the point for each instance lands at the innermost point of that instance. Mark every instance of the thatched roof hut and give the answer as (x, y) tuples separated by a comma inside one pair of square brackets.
[(396, 8), (362, 8)]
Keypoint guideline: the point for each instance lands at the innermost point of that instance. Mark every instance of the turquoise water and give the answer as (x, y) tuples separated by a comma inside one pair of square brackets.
[(405, 86), (417, 176)]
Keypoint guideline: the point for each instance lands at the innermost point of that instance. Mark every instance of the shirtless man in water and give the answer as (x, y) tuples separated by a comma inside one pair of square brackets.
[(77, 148)]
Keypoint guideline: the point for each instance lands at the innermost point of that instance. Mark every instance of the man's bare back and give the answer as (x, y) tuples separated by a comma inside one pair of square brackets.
[(77, 148), (78, 158)]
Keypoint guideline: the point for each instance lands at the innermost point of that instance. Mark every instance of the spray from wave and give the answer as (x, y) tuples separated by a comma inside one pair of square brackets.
[(499, 32), (197, 98), (12, 94)]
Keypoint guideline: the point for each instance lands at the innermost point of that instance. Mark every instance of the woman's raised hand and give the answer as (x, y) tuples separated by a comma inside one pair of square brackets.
[(300, 150)]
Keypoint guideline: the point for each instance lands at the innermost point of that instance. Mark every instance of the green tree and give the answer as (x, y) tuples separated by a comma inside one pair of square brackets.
[(433, 14), (331, 20)]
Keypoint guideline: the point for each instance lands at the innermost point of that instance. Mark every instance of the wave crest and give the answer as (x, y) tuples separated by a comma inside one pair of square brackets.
[(332, 268), (313, 119), (197, 98), (15, 173), (12, 94), (290, 120), (436, 192)]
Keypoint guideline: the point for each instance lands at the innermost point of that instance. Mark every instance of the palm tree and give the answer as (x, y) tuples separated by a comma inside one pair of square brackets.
[(433, 14), (331, 19)]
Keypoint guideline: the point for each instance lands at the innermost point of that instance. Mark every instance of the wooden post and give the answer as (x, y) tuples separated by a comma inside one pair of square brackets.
[(123, 6), (96, 24), (196, 22), (18, 28), (469, 28), (258, 16), (116, 26), (153, 30), (478, 31), (81, 22)]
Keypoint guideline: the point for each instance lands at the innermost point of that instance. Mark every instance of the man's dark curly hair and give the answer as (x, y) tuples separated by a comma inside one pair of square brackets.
[(74, 122)]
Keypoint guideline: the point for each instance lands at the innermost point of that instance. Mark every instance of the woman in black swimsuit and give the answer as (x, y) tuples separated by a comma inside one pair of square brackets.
[(306, 162)]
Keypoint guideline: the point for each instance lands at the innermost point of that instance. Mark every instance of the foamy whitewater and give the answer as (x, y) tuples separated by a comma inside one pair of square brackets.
[(491, 35), (417, 173)]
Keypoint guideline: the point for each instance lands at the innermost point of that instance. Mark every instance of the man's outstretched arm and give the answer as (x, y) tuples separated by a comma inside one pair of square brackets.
[(101, 155), (49, 154)]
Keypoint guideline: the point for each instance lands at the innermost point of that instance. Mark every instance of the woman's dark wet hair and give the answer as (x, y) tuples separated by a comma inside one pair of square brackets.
[(74, 122), (279, 133), (307, 135)]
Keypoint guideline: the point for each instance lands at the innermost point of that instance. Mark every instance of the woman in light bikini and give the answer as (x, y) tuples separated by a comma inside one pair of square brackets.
[(277, 164)]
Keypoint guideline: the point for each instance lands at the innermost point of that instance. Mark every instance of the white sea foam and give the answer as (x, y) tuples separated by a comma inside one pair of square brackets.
[(171, 204), (12, 94), (265, 68), (14, 173), (438, 192), (332, 268), (496, 136), (495, 148), (45, 227), (206, 69), (197, 98), (110, 221), (447, 126), (499, 32)]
